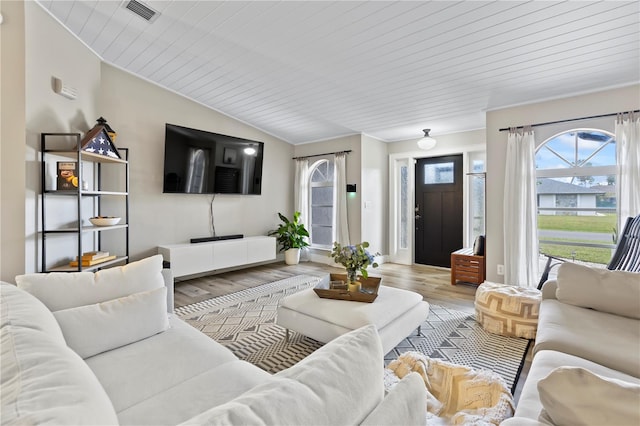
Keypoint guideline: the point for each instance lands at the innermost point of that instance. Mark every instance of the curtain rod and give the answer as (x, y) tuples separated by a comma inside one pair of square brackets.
[(320, 155), (504, 129)]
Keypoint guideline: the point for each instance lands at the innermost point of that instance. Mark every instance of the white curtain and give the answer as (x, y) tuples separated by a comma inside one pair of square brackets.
[(628, 159), (301, 190), (520, 211), (340, 225), (301, 196)]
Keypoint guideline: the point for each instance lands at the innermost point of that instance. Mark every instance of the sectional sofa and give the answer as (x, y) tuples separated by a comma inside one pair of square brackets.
[(94, 349), (586, 358)]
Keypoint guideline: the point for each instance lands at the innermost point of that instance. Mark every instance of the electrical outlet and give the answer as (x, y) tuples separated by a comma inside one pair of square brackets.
[(500, 269)]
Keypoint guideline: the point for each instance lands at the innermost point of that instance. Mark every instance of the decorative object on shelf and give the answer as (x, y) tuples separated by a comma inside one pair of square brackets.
[(355, 258), (427, 142), (92, 262), (67, 175), (98, 140), (104, 220), (291, 235), (112, 133)]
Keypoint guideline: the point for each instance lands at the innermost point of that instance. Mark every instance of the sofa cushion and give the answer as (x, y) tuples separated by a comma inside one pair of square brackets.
[(45, 382), (564, 406), (152, 366), (529, 405), (195, 395), (92, 329), (615, 292), (317, 386), (610, 340), (22, 309), (62, 291), (397, 408)]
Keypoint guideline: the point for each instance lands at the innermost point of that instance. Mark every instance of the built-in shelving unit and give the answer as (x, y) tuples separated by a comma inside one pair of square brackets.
[(78, 225)]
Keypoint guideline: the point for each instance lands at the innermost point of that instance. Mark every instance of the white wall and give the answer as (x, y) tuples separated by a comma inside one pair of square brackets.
[(12, 136), (374, 195), (604, 102), (50, 51), (138, 110)]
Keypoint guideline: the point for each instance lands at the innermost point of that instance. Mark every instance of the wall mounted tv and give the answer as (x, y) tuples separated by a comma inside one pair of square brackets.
[(199, 162)]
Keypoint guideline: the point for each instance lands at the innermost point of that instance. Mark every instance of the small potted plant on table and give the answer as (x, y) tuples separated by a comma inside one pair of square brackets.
[(355, 258), (291, 236)]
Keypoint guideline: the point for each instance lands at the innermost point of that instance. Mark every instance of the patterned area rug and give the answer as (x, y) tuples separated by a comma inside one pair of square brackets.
[(244, 322)]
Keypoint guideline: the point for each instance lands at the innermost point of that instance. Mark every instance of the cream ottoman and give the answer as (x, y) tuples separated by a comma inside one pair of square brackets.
[(395, 313), (508, 310)]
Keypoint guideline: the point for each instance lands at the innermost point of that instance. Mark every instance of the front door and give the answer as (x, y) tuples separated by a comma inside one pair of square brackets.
[(438, 209)]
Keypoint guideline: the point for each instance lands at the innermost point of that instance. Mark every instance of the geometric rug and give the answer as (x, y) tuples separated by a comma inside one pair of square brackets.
[(244, 322)]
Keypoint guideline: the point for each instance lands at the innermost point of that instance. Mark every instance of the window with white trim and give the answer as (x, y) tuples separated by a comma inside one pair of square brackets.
[(576, 195), (321, 188)]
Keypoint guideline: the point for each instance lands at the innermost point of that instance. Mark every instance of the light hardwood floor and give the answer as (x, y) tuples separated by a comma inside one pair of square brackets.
[(433, 283)]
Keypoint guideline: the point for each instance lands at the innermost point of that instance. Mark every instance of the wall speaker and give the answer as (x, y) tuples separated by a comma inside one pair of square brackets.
[(64, 90)]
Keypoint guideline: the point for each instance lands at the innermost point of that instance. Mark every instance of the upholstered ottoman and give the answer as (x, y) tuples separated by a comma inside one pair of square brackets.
[(508, 310), (395, 313)]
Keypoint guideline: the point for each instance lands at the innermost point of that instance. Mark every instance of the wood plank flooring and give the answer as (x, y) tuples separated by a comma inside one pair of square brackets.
[(433, 283)]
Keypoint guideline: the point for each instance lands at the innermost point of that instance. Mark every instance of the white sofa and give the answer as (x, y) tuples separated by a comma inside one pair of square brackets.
[(90, 349), (586, 362)]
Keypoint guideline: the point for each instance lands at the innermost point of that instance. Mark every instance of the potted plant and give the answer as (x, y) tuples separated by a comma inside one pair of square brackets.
[(355, 258), (291, 236)]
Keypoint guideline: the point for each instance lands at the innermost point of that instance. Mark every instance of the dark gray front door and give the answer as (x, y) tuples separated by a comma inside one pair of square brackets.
[(439, 212)]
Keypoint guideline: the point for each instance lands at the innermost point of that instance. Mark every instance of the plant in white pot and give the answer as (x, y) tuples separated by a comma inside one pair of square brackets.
[(291, 236)]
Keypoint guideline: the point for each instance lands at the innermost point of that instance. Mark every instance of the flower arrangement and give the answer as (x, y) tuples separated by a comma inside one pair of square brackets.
[(355, 258)]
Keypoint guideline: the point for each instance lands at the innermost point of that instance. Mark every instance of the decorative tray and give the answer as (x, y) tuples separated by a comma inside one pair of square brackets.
[(334, 286)]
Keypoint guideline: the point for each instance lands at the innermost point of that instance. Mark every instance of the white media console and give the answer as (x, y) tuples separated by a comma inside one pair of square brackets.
[(196, 258)]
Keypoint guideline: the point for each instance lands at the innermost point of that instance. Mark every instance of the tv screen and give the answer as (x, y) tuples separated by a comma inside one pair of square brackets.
[(199, 162)]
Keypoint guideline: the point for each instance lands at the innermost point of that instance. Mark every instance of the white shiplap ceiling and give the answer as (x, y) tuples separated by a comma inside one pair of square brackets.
[(307, 71)]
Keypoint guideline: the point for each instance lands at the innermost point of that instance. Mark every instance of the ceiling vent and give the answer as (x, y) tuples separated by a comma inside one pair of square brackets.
[(142, 10)]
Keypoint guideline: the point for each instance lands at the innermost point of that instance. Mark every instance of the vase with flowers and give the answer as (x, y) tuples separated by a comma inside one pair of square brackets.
[(355, 258)]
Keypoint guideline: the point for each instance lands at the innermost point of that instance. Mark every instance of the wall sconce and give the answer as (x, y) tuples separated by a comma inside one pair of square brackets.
[(351, 187)]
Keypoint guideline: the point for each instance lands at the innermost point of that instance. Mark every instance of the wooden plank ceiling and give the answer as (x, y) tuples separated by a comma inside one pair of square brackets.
[(306, 71)]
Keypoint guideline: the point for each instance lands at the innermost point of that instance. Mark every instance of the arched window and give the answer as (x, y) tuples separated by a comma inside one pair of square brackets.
[(576, 195), (321, 203)]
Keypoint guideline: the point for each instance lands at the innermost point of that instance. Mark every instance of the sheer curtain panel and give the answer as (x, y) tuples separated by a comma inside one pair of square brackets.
[(628, 159), (520, 210), (340, 224), (301, 190)]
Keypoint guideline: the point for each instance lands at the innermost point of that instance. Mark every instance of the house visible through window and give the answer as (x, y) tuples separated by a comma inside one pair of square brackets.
[(321, 203), (576, 195)]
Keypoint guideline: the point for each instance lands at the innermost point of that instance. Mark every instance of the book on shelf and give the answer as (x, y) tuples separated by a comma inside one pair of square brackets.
[(93, 261), (94, 255)]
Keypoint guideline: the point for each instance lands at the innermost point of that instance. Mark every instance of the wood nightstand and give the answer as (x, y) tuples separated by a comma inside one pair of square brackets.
[(467, 267)]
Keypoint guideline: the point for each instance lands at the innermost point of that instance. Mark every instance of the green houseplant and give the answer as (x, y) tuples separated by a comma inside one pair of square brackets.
[(291, 236)]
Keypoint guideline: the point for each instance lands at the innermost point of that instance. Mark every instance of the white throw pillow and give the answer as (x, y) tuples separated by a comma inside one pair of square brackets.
[(92, 329), (339, 384), (576, 396), (615, 292), (19, 308), (45, 382), (62, 291)]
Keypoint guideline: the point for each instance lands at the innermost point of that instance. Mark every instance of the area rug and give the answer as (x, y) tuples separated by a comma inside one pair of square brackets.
[(244, 322)]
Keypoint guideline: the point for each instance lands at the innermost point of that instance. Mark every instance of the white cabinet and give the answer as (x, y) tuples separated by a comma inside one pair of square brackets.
[(196, 258)]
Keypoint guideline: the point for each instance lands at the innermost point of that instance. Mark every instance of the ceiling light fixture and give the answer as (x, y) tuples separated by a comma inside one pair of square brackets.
[(250, 150), (427, 142)]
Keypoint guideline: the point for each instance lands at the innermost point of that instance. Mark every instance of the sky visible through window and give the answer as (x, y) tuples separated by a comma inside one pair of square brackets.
[(579, 148)]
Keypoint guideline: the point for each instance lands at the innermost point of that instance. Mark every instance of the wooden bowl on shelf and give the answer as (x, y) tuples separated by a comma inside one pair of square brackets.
[(104, 220)]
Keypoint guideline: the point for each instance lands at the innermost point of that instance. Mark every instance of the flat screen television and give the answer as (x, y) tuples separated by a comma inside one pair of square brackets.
[(199, 162)]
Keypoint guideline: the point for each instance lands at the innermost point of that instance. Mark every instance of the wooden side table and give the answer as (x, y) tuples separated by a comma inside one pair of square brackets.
[(467, 267)]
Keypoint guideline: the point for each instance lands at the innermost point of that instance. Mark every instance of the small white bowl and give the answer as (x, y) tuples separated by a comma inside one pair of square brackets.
[(104, 221)]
